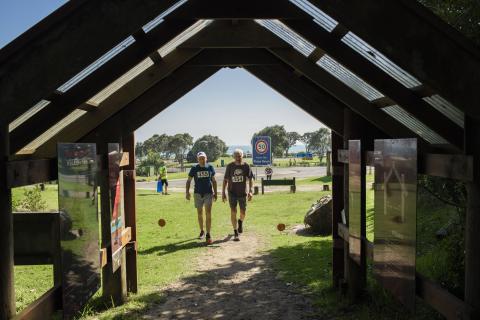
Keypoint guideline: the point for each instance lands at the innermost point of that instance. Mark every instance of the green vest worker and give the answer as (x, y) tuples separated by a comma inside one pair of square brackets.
[(163, 179)]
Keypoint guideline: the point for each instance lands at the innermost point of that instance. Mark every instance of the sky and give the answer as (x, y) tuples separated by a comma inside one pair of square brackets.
[(231, 104)]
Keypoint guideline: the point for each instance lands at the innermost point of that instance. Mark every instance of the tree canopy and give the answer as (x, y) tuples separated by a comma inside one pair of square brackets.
[(278, 135), (213, 146)]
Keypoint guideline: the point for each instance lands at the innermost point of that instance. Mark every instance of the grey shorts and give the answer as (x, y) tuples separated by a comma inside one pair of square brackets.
[(205, 200), (233, 200)]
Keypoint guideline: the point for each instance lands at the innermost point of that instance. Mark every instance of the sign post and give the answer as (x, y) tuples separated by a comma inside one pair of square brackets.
[(262, 151)]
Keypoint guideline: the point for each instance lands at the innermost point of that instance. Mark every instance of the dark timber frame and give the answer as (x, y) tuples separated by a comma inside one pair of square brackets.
[(75, 36)]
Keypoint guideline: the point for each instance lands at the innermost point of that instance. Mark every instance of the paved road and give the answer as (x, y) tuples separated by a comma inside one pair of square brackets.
[(278, 173)]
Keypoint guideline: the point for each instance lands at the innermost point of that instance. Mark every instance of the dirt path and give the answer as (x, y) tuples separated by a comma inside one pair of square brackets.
[(235, 282)]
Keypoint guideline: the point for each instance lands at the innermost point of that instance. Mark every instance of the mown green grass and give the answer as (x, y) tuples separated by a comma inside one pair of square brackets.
[(167, 254)]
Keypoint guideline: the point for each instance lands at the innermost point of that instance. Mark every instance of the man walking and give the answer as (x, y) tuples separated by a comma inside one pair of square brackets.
[(163, 179), (205, 191), (236, 175)]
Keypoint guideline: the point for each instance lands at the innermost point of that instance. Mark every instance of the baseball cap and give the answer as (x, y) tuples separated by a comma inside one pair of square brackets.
[(201, 154)]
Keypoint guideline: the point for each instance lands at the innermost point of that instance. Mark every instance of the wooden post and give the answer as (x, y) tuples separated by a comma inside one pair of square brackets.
[(111, 281), (7, 292), (263, 187), (337, 195), (472, 243), (356, 127), (128, 144)]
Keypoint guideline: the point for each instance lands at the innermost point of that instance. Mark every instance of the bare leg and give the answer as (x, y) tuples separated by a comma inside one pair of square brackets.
[(233, 217), (242, 214), (200, 218), (208, 217)]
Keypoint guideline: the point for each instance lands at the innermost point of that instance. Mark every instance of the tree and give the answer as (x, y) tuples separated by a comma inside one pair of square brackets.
[(278, 135), (306, 138), (320, 142), (139, 150), (178, 145), (157, 143), (213, 146), (292, 138)]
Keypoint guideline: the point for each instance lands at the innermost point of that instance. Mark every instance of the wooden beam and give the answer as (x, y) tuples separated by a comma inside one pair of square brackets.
[(27, 172), (48, 47), (317, 103), (380, 80), (418, 41), (337, 207), (343, 93), (92, 84), (152, 102), (233, 57), (118, 100), (225, 34), (44, 307), (7, 290), (232, 9), (455, 166), (86, 106)]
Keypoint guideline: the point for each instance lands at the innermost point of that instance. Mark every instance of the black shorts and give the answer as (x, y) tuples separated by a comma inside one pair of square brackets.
[(164, 182), (234, 199)]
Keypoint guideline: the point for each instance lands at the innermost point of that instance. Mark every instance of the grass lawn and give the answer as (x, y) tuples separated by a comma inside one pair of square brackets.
[(167, 254)]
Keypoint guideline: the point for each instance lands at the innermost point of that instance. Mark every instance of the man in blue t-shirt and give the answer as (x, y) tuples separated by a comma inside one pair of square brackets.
[(204, 193)]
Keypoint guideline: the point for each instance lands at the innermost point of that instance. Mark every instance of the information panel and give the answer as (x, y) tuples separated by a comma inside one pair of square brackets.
[(262, 152), (117, 218), (355, 200), (79, 226), (395, 217)]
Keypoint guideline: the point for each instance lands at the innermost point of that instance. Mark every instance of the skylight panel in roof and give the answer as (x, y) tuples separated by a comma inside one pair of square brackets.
[(288, 35), (348, 78), (97, 64), (412, 123), (120, 82), (182, 37), (379, 60), (159, 19), (47, 135), (320, 17), (445, 107), (27, 115)]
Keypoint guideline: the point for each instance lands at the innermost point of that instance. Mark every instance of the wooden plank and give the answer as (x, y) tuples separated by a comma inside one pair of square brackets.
[(7, 290), (455, 166), (52, 44), (225, 34), (380, 80), (303, 93), (44, 307), (245, 9), (417, 41), (103, 257), (118, 100), (337, 207), (128, 144), (92, 84), (233, 57), (27, 172)]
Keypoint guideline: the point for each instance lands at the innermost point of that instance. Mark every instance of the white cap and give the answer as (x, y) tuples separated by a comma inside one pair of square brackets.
[(201, 154)]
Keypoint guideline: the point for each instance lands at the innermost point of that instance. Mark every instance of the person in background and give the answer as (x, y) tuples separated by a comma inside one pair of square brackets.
[(163, 179), (205, 191), (268, 173), (236, 175)]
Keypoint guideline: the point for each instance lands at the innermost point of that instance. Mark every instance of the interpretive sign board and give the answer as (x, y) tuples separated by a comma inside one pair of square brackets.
[(262, 152), (395, 217), (117, 218), (355, 201), (79, 226)]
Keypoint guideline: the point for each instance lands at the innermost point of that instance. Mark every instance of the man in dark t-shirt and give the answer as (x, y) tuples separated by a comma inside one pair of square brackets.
[(236, 175), (205, 191)]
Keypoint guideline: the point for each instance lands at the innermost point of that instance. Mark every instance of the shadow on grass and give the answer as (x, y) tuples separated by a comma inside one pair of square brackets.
[(182, 245), (324, 179)]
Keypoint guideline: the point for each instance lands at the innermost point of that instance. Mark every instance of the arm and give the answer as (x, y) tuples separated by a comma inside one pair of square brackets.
[(214, 184), (224, 195), (250, 186), (187, 195)]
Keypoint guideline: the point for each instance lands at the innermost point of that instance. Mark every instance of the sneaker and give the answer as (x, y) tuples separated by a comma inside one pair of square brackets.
[(240, 226), (202, 234), (208, 239), (235, 236)]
